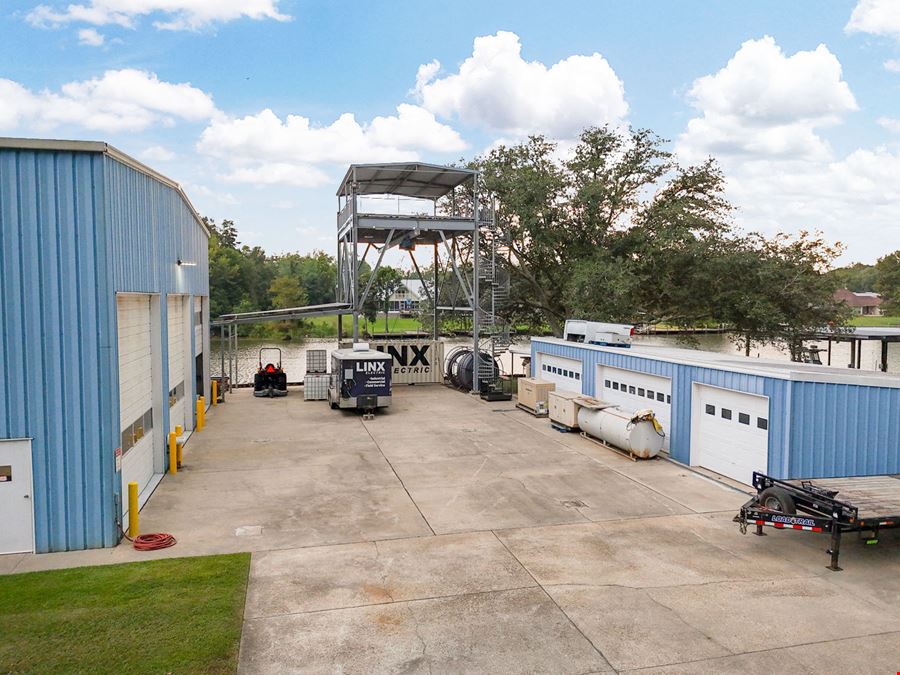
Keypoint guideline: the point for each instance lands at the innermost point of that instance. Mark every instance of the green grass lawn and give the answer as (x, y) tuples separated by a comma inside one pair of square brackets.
[(325, 326), (181, 615), (875, 321)]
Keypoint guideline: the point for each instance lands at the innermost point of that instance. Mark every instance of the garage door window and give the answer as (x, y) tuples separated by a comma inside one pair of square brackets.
[(762, 423), (743, 418), (135, 431), (710, 409), (176, 394), (660, 397), (726, 414)]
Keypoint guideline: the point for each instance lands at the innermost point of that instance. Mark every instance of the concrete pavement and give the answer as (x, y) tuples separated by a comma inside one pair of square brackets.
[(452, 535)]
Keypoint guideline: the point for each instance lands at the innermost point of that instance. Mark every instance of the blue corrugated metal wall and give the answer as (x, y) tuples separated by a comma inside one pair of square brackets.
[(75, 228), (152, 217), (683, 376), (844, 430), (58, 338)]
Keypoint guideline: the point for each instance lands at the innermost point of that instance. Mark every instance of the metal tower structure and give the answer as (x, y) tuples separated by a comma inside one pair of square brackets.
[(409, 205)]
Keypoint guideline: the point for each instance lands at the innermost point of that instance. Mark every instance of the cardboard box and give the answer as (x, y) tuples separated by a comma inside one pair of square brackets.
[(533, 391), (564, 408)]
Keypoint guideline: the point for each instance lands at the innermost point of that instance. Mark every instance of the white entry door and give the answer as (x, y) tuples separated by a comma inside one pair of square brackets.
[(177, 361), (133, 316), (566, 373), (16, 497), (633, 390), (730, 433)]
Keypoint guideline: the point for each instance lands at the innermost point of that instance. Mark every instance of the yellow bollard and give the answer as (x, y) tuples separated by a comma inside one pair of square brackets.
[(132, 509), (173, 453), (215, 392), (201, 411), (179, 430)]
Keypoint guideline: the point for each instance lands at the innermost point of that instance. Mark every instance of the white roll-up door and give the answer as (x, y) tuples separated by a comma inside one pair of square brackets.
[(135, 391), (730, 432), (177, 361), (566, 373), (633, 390)]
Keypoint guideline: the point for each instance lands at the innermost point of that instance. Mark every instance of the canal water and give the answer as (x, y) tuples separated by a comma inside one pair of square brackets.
[(293, 353)]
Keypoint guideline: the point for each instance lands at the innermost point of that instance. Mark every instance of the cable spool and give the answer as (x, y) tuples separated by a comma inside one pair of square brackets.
[(460, 367)]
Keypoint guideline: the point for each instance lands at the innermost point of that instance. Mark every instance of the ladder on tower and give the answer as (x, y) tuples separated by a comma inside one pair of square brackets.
[(494, 334)]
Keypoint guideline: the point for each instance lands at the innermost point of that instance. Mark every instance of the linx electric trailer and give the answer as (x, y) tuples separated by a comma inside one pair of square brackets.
[(864, 504), (360, 378)]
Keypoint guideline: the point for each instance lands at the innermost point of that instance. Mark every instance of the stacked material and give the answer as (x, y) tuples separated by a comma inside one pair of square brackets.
[(315, 387)]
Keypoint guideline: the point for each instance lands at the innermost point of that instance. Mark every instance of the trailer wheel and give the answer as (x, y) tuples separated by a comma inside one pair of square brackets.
[(778, 499)]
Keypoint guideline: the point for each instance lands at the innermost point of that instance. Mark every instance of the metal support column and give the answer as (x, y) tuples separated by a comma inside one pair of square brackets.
[(354, 273), (436, 296), (476, 299), (884, 356), (829, 351)]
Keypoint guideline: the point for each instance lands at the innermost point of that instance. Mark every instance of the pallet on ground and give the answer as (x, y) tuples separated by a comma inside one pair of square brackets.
[(540, 412)]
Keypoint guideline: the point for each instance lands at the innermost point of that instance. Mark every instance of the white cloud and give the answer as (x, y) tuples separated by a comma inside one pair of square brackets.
[(209, 197), (766, 104), (892, 65), (265, 149), (90, 37), (157, 153), (120, 100), (877, 17), (497, 89), (177, 14), (855, 199), (760, 116), (274, 173), (890, 123)]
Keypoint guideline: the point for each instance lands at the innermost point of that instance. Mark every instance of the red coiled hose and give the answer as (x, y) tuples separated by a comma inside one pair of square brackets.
[(153, 542)]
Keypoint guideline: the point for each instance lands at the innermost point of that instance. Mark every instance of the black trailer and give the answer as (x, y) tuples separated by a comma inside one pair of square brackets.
[(863, 504)]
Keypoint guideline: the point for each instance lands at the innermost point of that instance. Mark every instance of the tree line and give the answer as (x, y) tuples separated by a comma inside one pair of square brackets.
[(883, 277), (245, 279)]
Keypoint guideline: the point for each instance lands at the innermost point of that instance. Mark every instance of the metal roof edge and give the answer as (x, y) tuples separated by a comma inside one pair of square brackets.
[(341, 191), (874, 379), (112, 152)]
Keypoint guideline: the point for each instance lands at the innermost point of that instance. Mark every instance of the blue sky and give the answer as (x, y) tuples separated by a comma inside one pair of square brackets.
[(799, 101)]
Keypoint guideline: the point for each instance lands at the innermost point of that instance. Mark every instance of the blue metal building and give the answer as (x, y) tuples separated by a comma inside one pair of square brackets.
[(734, 415), (103, 311)]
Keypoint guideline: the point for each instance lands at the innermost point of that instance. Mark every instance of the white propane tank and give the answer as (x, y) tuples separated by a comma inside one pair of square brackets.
[(614, 426)]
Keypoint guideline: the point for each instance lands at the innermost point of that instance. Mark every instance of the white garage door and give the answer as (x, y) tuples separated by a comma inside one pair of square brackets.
[(566, 373), (135, 392), (731, 432), (177, 362), (637, 391)]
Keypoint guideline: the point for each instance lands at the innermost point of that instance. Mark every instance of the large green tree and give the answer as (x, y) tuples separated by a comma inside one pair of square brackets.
[(622, 232), (887, 281)]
